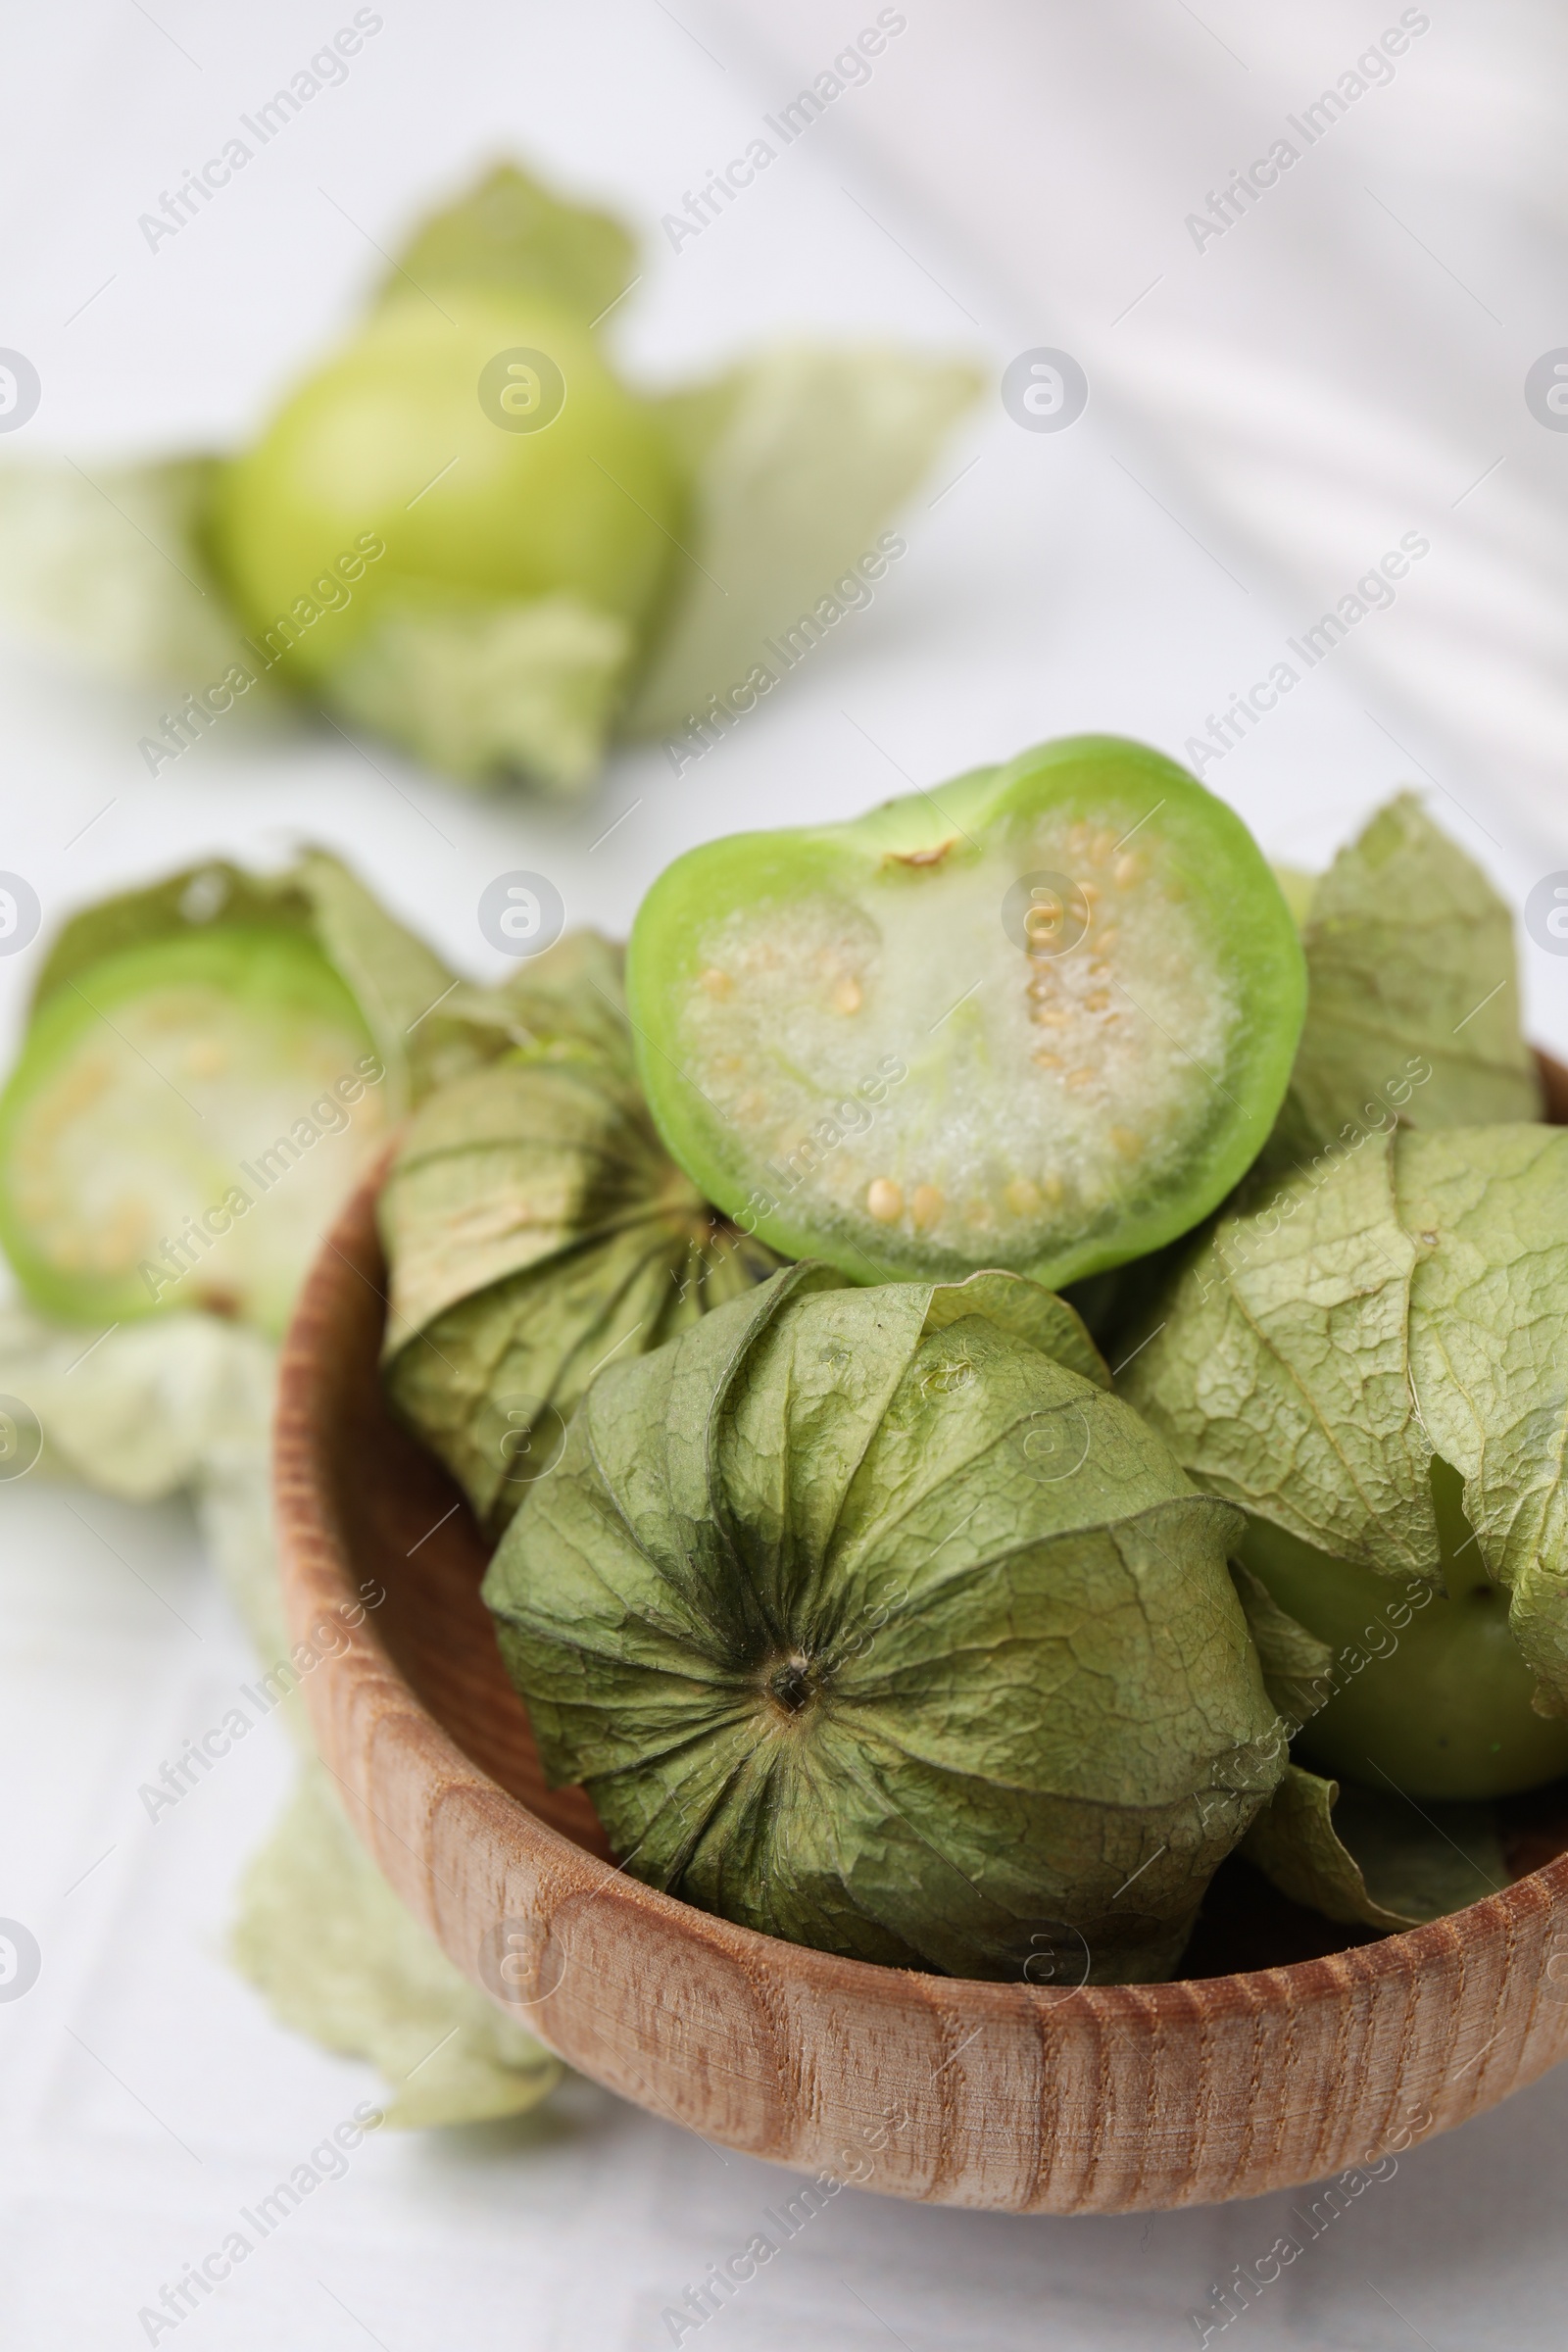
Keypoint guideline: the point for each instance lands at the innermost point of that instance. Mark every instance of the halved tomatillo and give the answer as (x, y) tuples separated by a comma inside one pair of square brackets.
[(1042, 1018), (157, 1134)]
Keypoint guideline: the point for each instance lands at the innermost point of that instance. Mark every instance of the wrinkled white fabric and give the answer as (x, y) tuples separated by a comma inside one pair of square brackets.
[(1328, 362)]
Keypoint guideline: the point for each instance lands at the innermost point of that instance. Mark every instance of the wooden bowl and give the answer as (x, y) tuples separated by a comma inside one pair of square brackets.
[(1023, 2098)]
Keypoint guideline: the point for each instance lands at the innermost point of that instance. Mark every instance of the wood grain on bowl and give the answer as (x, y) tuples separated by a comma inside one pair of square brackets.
[(1029, 2098)]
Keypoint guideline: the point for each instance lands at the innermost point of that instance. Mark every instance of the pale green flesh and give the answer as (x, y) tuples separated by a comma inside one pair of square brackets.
[(159, 1115), (1044, 1091)]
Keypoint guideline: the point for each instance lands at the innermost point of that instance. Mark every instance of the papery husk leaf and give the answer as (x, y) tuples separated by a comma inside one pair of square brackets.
[(106, 565), (535, 1227), (1374, 1860), (1295, 1843), (509, 233), (1296, 1664), (798, 458), (1413, 1004), (1326, 1340), (322, 1936), (491, 693), (1034, 1720)]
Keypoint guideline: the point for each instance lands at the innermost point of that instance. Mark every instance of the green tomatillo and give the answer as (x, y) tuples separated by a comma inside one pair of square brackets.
[(209, 1064), (873, 1620), (1367, 1356), (1429, 1690), (465, 502)]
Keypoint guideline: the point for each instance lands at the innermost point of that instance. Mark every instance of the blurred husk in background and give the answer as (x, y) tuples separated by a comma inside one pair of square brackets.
[(788, 466)]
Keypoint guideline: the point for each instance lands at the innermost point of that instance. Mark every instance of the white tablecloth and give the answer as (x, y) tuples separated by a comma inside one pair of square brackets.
[(1273, 411)]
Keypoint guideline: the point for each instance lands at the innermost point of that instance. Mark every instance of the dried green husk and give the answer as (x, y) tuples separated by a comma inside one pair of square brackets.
[(535, 1227), (873, 1620), (1374, 1860), (1295, 1662), (1412, 996), (508, 234), (1400, 1301)]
